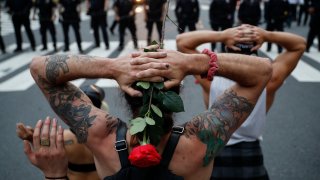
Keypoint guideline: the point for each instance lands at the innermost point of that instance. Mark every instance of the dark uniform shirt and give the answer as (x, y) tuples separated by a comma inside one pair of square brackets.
[(19, 7), (187, 10), (315, 16), (250, 12), (276, 10), (97, 7), (70, 12), (124, 7), (45, 9), (221, 11), (155, 9)]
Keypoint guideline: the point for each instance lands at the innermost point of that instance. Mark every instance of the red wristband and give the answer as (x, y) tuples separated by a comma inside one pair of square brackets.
[(212, 63)]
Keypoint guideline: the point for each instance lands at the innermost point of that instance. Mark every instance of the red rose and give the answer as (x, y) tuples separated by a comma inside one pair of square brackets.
[(144, 156)]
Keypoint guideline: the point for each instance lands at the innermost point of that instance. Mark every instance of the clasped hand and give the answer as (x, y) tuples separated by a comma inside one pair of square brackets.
[(244, 34), (163, 66)]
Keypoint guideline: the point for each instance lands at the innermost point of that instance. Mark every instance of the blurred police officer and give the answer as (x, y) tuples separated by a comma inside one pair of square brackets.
[(314, 25), (276, 12), (221, 14), (70, 16), (154, 11), (97, 9), (2, 45), (187, 13), (249, 12), (125, 15), (20, 11), (46, 18), (303, 10)]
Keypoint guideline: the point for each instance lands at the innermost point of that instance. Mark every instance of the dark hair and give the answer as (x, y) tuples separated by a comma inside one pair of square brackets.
[(136, 103), (245, 49)]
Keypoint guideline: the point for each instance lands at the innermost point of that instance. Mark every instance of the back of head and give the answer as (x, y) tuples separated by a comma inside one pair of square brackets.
[(139, 107), (245, 48)]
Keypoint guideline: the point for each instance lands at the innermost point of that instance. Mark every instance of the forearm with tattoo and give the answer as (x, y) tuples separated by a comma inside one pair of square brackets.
[(67, 101), (215, 126)]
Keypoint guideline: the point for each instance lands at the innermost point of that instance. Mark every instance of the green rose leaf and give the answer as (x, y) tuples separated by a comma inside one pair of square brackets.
[(146, 50), (173, 102), (159, 85), (144, 85), (154, 42), (156, 110), (137, 125), (150, 121)]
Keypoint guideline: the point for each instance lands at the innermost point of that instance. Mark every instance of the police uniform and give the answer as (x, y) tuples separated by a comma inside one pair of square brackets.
[(314, 25), (276, 12), (99, 19), (249, 12), (187, 13), (154, 14), (20, 11), (2, 46), (70, 17), (221, 14), (46, 14), (125, 11)]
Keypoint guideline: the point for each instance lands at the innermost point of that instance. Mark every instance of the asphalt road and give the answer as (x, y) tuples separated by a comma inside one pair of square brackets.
[(290, 140)]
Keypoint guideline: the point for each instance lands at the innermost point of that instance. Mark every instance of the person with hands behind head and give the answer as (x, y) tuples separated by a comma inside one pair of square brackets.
[(242, 157), (47, 150), (107, 136), (80, 159)]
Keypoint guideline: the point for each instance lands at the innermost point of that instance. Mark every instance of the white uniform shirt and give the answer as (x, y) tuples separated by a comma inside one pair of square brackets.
[(252, 128)]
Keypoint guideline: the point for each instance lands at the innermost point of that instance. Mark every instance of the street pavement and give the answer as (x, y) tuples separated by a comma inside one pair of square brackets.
[(290, 140)]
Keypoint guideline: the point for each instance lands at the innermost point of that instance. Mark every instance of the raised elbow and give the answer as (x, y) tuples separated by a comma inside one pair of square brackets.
[(265, 71), (35, 66), (179, 42), (303, 45)]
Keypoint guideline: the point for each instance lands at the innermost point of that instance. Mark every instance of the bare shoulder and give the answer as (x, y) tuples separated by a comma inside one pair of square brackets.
[(104, 125), (188, 157)]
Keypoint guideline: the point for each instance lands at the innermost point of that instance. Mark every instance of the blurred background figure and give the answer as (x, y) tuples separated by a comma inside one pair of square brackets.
[(2, 45), (20, 11), (187, 13), (47, 16), (221, 16), (114, 23), (293, 4), (98, 10), (154, 12), (249, 12), (303, 11), (276, 13), (70, 16), (125, 15), (314, 26)]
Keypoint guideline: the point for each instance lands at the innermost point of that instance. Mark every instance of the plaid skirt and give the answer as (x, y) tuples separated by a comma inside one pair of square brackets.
[(240, 161)]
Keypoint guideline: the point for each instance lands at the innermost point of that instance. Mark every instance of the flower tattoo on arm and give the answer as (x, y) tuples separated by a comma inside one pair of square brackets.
[(67, 100), (215, 126)]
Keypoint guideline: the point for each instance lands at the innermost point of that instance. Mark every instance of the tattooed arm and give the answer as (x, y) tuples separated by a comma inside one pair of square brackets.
[(53, 73), (215, 126)]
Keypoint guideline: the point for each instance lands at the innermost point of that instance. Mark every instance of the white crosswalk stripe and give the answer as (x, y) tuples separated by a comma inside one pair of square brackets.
[(313, 54), (303, 71), (23, 80), (7, 26), (20, 60)]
